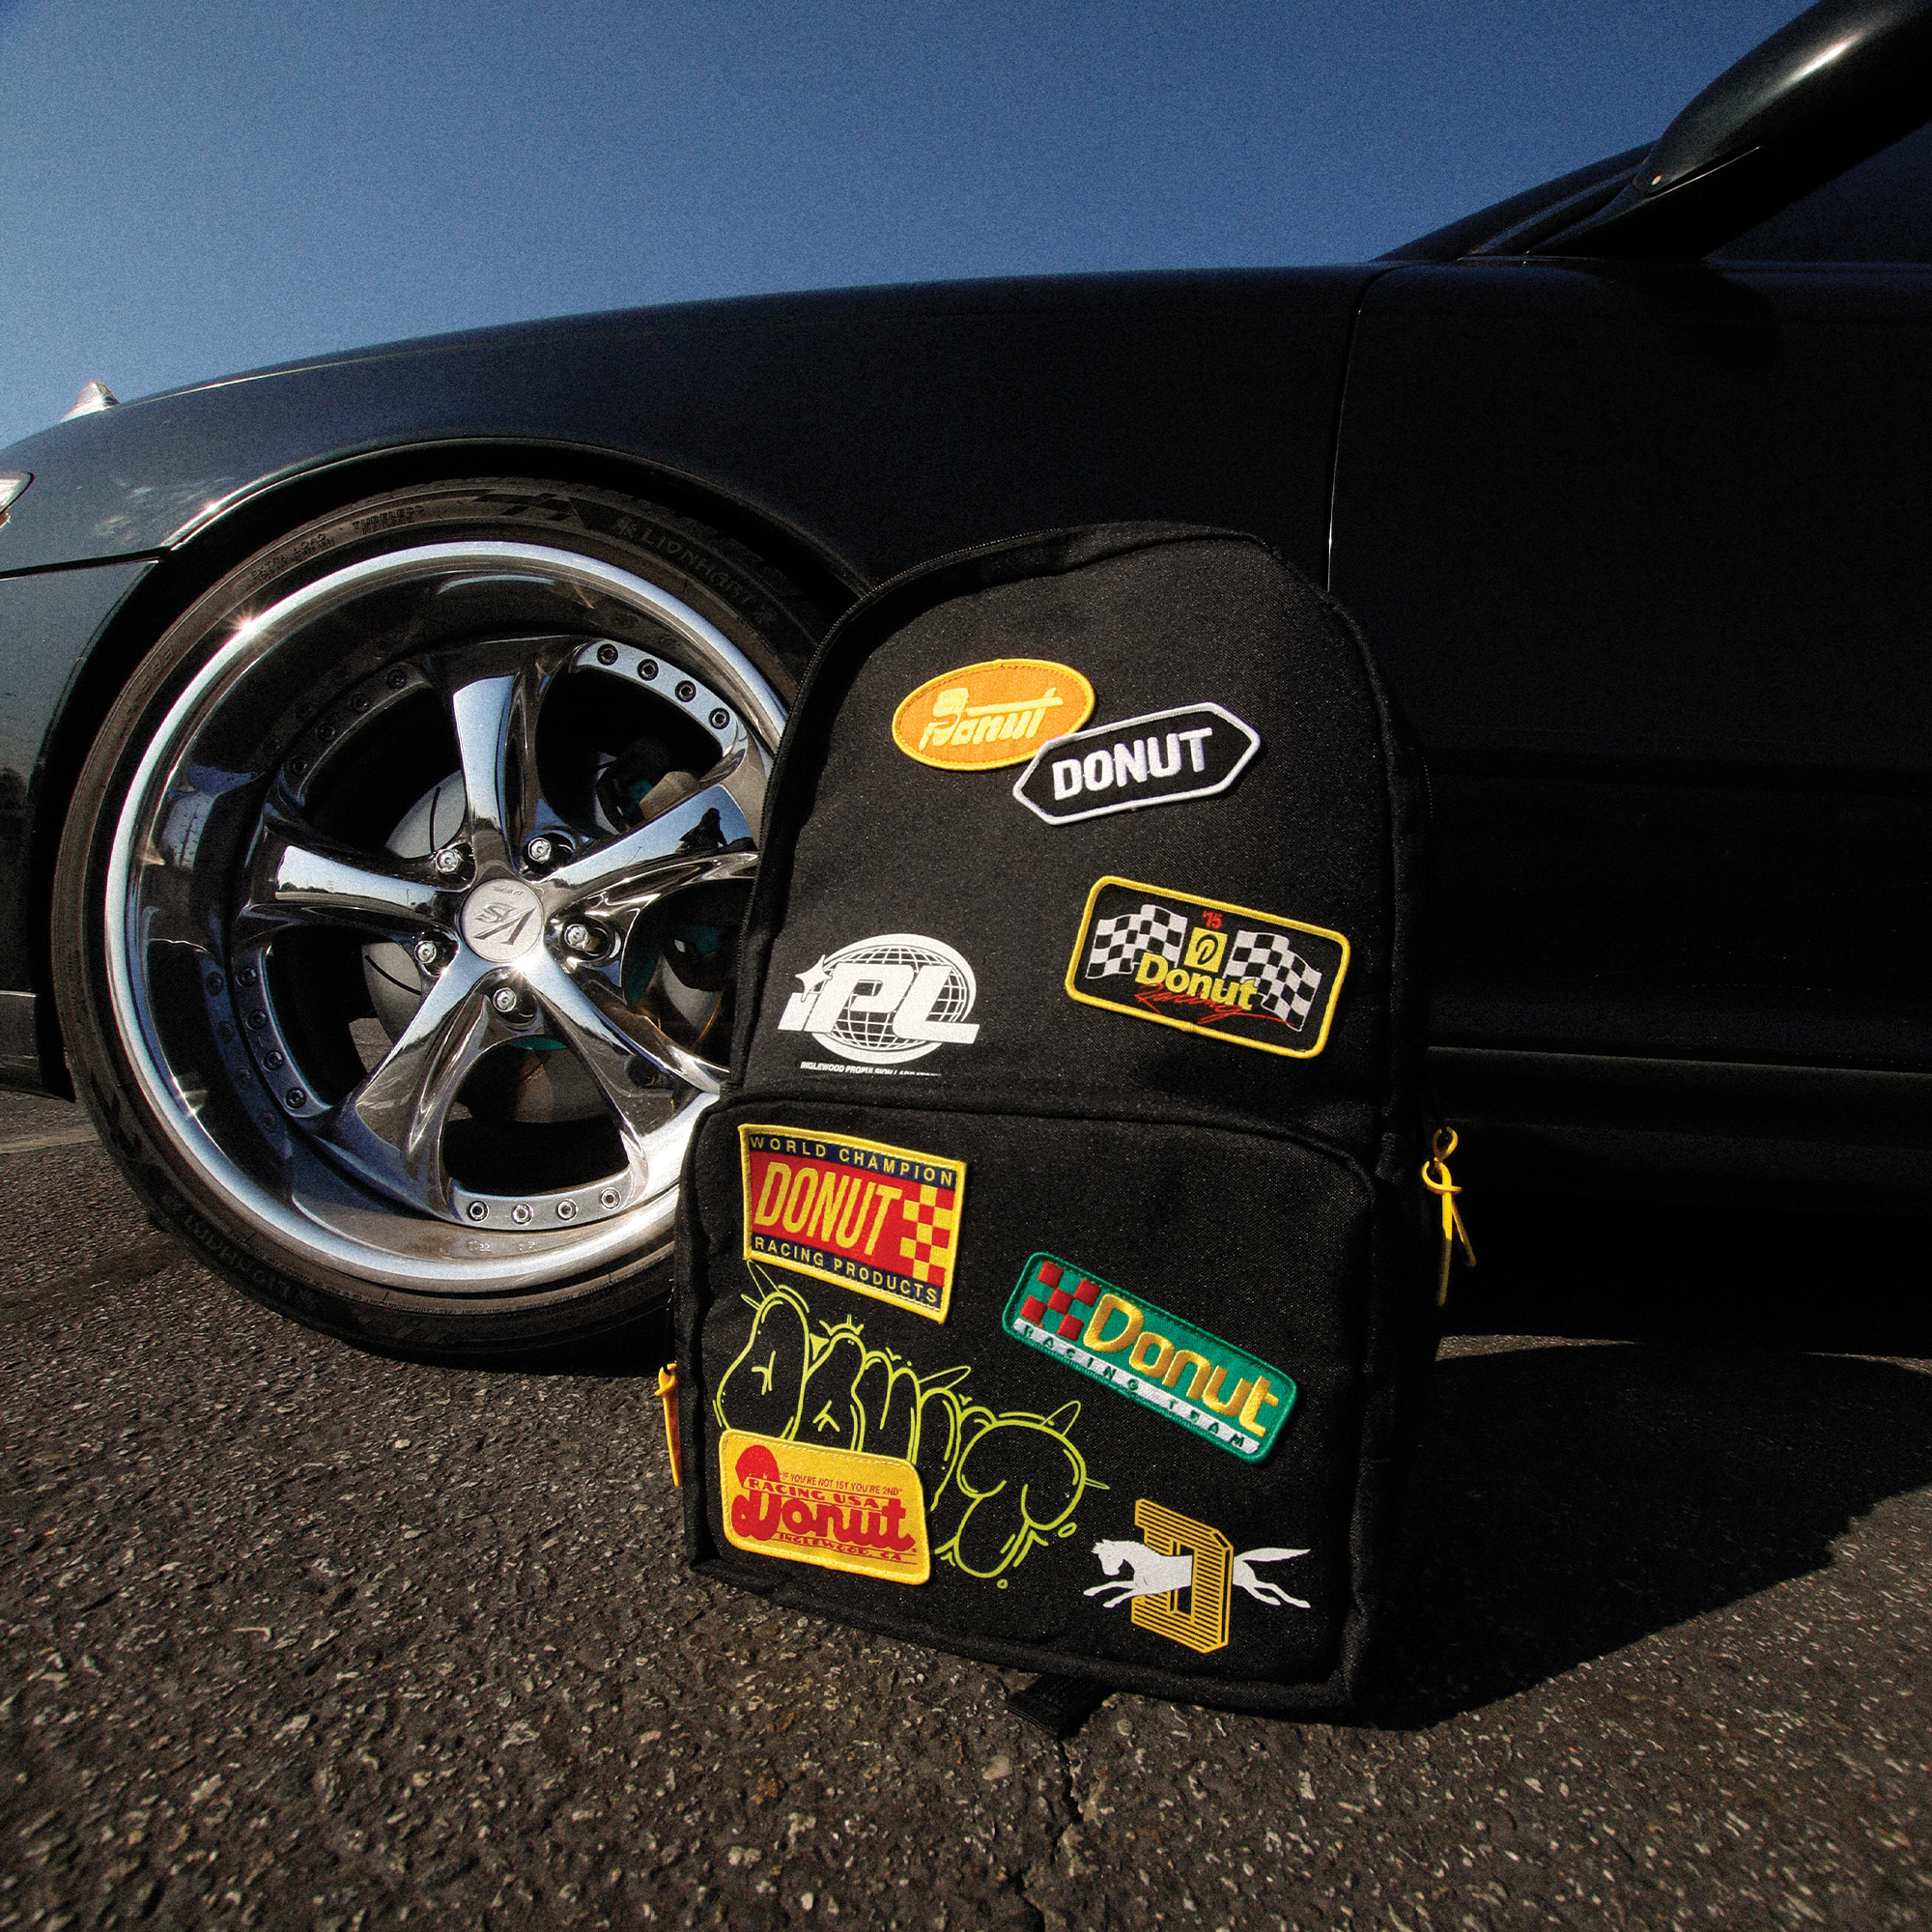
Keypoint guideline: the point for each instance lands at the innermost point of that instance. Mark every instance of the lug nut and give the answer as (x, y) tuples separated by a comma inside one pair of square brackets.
[(450, 861), (429, 955), (582, 938), (507, 1001), (540, 851)]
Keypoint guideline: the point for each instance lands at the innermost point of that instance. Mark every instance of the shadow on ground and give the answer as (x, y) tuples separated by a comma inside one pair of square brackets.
[(1572, 1500)]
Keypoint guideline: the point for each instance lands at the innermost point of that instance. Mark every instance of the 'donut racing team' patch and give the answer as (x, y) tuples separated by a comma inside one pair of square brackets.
[(880, 1220), (1250, 978), (1214, 1390), (836, 1507)]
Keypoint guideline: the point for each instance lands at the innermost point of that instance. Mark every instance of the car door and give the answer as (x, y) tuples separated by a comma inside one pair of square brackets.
[(1643, 550)]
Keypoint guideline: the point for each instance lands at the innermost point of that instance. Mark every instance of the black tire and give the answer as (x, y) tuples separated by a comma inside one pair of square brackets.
[(320, 1000)]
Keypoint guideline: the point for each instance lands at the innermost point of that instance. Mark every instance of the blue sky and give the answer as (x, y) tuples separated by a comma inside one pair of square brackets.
[(194, 188)]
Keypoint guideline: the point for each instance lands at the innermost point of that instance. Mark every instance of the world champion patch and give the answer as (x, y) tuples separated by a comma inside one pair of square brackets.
[(880, 1220), (839, 1509), (1252, 979), (1214, 1390)]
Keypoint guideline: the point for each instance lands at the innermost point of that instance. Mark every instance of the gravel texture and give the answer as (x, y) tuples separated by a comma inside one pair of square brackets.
[(298, 1636)]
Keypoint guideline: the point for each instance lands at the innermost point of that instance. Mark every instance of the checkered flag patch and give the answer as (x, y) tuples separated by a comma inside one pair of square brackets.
[(1118, 942), (1287, 984)]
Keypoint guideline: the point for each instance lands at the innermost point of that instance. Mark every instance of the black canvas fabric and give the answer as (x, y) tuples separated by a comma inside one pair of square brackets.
[(1266, 1200)]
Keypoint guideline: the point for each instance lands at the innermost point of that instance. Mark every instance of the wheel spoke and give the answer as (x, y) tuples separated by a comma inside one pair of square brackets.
[(697, 829), (392, 1126), (297, 878), (610, 1039), (495, 721)]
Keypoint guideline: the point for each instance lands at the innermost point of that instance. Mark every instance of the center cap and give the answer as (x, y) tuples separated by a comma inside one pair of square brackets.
[(503, 920)]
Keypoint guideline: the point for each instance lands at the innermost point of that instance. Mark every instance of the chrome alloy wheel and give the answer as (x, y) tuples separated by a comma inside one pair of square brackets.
[(420, 908)]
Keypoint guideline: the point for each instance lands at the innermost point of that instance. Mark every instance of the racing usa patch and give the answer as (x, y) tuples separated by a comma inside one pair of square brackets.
[(1252, 979), (985, 714), (880, 1220), (839, 1509), (1212, 1389)]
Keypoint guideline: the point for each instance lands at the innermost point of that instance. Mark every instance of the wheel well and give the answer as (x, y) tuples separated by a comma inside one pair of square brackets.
[(202, 559)]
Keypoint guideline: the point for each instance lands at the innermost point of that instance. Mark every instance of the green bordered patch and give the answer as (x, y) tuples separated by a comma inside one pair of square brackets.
[(1139, 1350), (1252, 979)]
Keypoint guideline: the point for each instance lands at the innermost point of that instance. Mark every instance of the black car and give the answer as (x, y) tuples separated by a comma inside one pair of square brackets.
[(386, 736)]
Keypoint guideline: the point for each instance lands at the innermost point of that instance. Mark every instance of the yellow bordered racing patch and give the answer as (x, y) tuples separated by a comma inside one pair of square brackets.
[(839, 1509), (880, 1220), (985, 714), (1252, 979)]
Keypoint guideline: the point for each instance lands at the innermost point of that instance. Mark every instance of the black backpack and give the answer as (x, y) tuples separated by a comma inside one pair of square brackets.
[(1052, 1284)]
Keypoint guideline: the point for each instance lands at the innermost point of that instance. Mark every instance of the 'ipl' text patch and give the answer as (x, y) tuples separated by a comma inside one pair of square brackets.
[(1214, 1390), (836, 1508), (880, 1220)]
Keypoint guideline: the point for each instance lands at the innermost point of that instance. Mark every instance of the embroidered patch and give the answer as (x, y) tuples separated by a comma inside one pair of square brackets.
[(836, 1508), (985, 714), (1162, 757), (1004, 1483), (1214, 1390), (1249, 977), (1181, 1554), (883, 1001), (880, 1220)]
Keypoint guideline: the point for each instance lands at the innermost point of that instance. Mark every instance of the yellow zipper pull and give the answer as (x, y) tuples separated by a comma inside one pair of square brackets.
[(1435, 1177), (668, 1394)]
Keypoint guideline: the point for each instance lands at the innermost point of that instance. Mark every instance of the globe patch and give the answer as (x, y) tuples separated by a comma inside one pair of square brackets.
[(883, 1221), (1252, 979), (884, 1001)]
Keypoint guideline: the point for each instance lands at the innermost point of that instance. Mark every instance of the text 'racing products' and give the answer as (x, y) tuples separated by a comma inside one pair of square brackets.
[(885, 1001), (880, 1220), (1214, 1390), (1250, 978), (1162, 757), (986, 715), (835, 1508)]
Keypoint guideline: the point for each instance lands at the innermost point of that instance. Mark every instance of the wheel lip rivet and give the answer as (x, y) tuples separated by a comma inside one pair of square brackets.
[(609, 1198), (274, 1062), (686, 691), (607, 654), (648, 667), (720, 719), (397, 678), (478, 1212), (521, 1215), (297, 1097), (566, 1210)]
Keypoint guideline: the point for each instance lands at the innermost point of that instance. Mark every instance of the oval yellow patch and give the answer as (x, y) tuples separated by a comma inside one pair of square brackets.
[(985, 714)]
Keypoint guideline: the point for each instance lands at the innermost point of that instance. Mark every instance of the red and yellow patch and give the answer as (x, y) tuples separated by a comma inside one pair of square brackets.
[(836, 1508), (880, 1220), (985, 714)]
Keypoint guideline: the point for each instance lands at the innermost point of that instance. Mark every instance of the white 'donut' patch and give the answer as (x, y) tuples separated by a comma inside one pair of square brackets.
[(1161, 757), (503, 920)]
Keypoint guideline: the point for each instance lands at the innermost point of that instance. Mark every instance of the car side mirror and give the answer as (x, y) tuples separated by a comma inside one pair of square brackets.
[(1844, 79)]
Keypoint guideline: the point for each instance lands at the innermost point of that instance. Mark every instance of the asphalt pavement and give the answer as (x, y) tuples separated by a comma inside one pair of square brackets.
[(295, 1635)]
